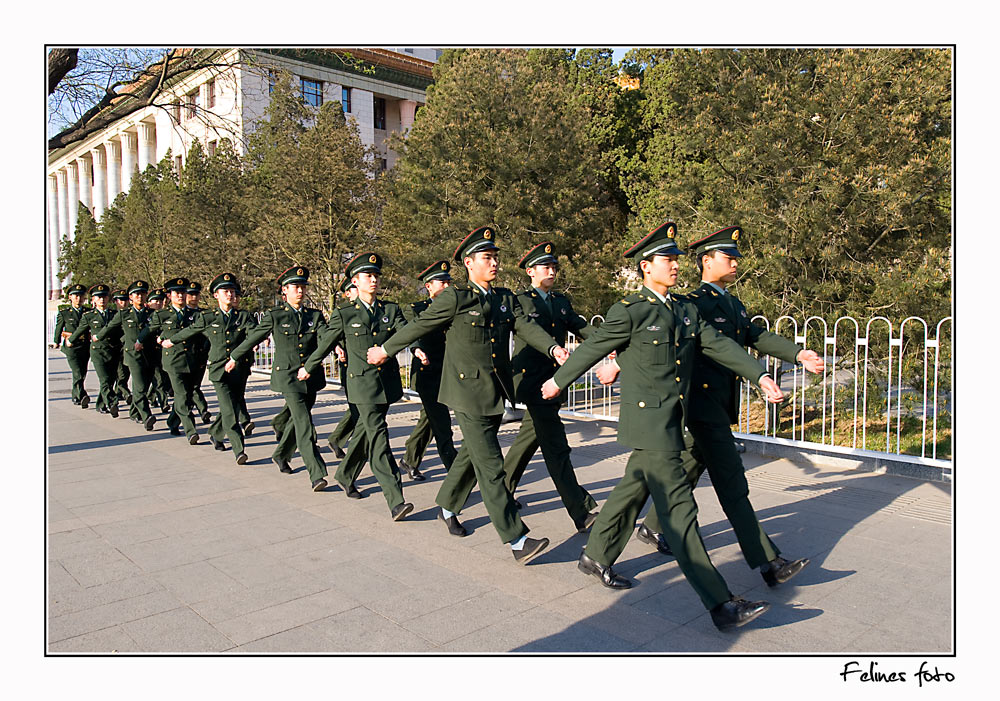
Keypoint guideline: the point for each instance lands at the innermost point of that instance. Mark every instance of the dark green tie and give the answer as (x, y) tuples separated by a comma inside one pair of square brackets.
[(488, 303)]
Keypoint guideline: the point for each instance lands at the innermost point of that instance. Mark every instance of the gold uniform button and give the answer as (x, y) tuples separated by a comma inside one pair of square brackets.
[(642, 405), (655, 342), (678, 362), (704, 386), (494, 355), (677, 379), (461, 375)]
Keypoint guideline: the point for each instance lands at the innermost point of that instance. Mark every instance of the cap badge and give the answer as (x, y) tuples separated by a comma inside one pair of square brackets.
[(226, 277), (670, 232), (372, 259), (736, 234), (300, 271), (548, 249), (487, 234), (444, 266)]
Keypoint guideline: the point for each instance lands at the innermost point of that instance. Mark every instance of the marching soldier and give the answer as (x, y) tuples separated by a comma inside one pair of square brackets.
[(345, 427), (656, 337), (476, 377), (121, 382), (67, 321), (541, 424), (373, 389), (199, 355), (425, 378), (132, 322), (176, 359), (224, 328), (159, 387), (294, 328), (105, 352)]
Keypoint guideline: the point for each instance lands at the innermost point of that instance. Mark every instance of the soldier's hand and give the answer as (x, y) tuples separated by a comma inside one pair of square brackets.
[(68, 344), (302, 375), (341, 355), (560, 354), (772, 392), (167, 343), (231, 365), (422, 357), (550, 390), (52, 345), (377, 355), (811, 361), (65, 334), (138, 346), (608, 373)]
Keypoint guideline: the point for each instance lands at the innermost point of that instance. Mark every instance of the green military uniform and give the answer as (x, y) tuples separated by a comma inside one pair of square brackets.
[(177, 360), (656, 343), (295, 333), (132, 322), (224, 332), (345, 427), (67, 321), (475, 379), (105, 353), (121, 380), (714, 406), (425, 380), (160, 390), (199, 362)]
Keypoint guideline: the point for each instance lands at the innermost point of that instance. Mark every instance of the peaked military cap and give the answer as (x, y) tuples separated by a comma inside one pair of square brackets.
[(346, 285), (438, 270), (482, 239), (724, 240), (539, 255), (99, 290), (224, 280), (76, 289), (661, 241), (296, 275), (156, 294), (119, 294), (367, 262), (138, 286), (176, 284), (194, 288)]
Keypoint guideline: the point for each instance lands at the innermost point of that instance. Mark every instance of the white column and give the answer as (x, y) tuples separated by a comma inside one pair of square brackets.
[(62, 200), (128, 158), (100, 182), (52, 205), (72, 200), (114, 152), (407, 113), (84, 183), (147, 144)]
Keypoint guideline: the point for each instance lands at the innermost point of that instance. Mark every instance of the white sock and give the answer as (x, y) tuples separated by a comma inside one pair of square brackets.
[(446, 513), (518, 544)]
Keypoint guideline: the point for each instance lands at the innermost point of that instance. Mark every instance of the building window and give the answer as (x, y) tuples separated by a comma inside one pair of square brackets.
[(380, 113), (179, 164), (345, 99), (383, 165), (212, 146), (312, 92), (210, 94), (409, 51), (175, 111), (272, 79), (192, 104)]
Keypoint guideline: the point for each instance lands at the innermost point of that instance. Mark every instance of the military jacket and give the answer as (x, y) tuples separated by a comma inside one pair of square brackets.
[(131, 324), (715, 395), (222, 337), (166, 323), (295, 335), (657, 344), (531, 368), (107, 346), (201, 346), (426, 379), (356, 331), (476, 375), (68, 320)]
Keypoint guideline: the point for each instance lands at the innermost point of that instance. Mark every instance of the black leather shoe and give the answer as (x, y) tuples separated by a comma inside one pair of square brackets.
[(413, 472), (175, 431), (737, 612), (150, 422), (337, 450), (655, 539), (399, 512), (605, 574), (283, 466), (533, 547), (588, 521), (352, 491), (85, 402), (248, 428), (218, 445), (193, 440), (241, 459), (113, 410), (76, 402), (781, 570), (454, 527), (103, 410), (319, 485), (206, 418)]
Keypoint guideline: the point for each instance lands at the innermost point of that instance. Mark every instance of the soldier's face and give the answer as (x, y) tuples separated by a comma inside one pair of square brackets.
[(99, 301), (661, 270), (137, 299), (483, 266), (367, 283), (177, 297), (543, 276), (120, 303), (192, 299), (719, 267), (226, 297), (436, 287), (75, 298), (294, 292), (155, 304), (352, 294)]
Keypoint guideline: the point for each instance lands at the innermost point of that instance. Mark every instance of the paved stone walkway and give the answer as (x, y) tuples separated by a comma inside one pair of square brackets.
[(155, 545)]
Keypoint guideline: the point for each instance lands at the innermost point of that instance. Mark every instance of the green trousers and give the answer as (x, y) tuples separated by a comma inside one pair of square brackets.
[(342, 432), (481, 460), (660, 475), (298, 433), (712, 447), (229, 392), (141, 380), (541, 426), (121, 383), (370, 443), (434, 420), (106, 367), (197, 396), (180, 411), (78, 360)]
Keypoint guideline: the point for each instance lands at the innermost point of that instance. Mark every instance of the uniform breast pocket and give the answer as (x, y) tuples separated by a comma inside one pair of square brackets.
[(653, 350), (473, 331)]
